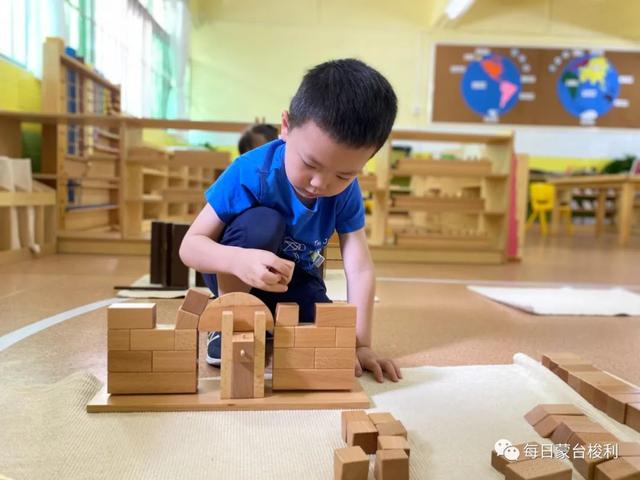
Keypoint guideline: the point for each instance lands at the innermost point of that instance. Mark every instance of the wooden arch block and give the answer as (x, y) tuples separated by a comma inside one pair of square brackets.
[(243, 307)]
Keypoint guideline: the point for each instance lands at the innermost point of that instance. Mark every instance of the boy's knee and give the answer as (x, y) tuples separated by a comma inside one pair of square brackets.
[(262, 227)]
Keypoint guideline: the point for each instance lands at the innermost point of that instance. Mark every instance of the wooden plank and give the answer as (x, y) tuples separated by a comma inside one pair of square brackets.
[(312, 379), (24, 199), (201, 158), (243, 360), (259, 347), (226, 367), (440, 204), (443, 168), (208, 398)]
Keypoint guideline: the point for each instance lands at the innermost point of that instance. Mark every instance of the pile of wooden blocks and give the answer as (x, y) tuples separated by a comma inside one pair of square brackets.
[(145, 357), (376, 433), (529, 464), (594, 452), (318, 356), (617, 398)]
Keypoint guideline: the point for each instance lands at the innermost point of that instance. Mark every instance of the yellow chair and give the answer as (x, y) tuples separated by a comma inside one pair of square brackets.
[(543, 197)]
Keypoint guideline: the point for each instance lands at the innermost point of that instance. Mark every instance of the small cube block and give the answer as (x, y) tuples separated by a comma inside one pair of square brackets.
[(131, 315), (335, 315), (624, 468), (392, 428), (391, 465), (362, 433), (351, 416), (283, 337), (381, 417), (186, 320), (527, 451), (391, 442), (538, 413), (346, 337), (350, 463), (195, 301), (633, 416), (287, 314), (186, 339), (118, 339), (546, 427)]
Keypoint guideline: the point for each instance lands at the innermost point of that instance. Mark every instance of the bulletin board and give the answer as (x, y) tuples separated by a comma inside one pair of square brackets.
[(536, 86)]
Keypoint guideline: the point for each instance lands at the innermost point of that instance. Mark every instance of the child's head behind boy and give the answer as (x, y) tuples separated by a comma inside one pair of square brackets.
[(338, 119)]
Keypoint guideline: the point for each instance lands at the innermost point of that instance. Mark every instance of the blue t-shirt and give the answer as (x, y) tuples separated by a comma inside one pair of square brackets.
[(258, 178)]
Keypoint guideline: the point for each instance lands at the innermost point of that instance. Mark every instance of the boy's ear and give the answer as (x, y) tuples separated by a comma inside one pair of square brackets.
[(284, 125)]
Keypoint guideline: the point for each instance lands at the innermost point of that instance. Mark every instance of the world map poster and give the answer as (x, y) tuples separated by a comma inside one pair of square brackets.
[(536, 86)]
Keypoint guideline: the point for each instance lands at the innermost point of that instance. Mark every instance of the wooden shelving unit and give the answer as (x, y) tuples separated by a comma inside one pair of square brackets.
[(81, 161)]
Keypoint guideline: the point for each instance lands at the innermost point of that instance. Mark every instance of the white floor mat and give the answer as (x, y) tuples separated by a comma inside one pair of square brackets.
[(565, 300), (454, 416)]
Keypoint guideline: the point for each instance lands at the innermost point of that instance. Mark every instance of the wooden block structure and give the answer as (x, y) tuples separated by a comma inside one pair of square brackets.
[(318, 356), (144, 357), (243, 320), (617, 398), (381, 434)]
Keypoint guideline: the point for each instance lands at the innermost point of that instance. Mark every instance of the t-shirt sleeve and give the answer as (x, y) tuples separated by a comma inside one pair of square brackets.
[(350, 209), (235, 191)]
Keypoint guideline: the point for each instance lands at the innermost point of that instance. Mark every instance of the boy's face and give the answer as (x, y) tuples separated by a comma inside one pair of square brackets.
[(316, 165)]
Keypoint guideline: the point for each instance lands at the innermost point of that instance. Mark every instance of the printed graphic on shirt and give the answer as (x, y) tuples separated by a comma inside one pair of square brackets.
[(303, 255)]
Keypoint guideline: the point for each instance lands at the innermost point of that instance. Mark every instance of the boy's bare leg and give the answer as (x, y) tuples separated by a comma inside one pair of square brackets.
[(230, 283)]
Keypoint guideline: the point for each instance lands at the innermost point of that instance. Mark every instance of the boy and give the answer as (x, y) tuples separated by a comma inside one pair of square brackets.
[(270, 214)]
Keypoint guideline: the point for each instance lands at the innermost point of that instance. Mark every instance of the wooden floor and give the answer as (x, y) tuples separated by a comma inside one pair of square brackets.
[(429, 318)]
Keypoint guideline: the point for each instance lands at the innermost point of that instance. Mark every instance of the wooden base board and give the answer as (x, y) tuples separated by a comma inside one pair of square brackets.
[(208, 399)]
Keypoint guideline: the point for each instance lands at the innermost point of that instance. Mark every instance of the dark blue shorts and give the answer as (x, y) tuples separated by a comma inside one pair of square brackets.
[(263, 228)]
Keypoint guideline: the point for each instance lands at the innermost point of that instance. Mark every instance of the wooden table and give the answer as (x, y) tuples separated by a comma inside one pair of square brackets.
[(626, 186)]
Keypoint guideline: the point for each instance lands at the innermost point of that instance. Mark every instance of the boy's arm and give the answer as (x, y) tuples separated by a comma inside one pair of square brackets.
[(358, 268), (257, 268)]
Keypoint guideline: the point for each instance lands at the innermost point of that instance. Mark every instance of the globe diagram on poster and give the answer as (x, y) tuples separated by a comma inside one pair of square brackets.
[(490, 85), (588, 86)]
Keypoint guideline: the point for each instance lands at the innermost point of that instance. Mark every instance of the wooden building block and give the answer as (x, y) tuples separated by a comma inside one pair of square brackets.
[(125, 361), (585, 383), (540, 412), (602, 394), (335, 358), (381, 417), (312, 336), (174, 361), (618, 469), (186, 320), (391, 465), (153, 339), (283, 337), (312, 379), (195, 302), (563, 432), (259, 349), (226, 362), (551, 360), (629, 449), (528, 451), (131, 315), (586, 464), (152, 382), (186, 339), (538, 469), (345, 337), (362, 433), (350, 463), (287, 314), (293, 357), (546, 427), (335, 315), (633, 416), (118, 339), (243, 360), (616, 406), (392, 428), (351, 416), (242, 305), (392, 442)]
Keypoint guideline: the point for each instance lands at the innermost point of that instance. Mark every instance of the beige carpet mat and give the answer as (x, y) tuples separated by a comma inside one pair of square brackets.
[(454, 416)]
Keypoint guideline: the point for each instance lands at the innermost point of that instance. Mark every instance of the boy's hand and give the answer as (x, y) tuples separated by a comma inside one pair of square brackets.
[(264, 270), (367, 359)]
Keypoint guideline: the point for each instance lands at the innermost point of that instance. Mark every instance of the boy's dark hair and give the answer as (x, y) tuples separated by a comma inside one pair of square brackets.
[(352, 102), (257, 135)]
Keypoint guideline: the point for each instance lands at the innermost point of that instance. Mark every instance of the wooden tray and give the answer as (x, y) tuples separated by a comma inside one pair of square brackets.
[(208, 399)]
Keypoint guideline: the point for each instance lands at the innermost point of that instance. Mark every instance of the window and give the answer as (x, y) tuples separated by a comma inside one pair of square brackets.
[(79, 20), (13, 30)]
